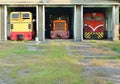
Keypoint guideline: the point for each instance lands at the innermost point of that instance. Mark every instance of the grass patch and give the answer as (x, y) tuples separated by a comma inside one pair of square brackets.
[(50, 64), (92, 41), (115, 46), (14, 49), (98, 81)]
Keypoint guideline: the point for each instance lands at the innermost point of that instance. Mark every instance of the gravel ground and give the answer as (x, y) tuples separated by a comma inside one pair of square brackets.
[(88, 50), (109, 70), (4, 78)]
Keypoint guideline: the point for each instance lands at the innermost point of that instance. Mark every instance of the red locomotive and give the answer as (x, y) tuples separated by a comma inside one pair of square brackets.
[(59, 29), (94, 25)]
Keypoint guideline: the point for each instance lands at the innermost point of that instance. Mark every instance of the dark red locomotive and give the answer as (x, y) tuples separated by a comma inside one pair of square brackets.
[(94, 25)]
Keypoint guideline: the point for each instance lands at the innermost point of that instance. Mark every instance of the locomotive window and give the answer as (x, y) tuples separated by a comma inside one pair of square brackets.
[(25, 16), (15, 16), (89, 18), (98, 18)]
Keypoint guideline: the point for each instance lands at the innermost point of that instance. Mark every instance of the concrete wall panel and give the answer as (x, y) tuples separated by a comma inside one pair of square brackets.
[(2, 30), (20, 1), (58, 1), (80, 1)]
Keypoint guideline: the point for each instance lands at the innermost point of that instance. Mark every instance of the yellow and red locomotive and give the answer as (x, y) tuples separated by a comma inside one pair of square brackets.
[(59, 28), (21, 26), (94, 26)]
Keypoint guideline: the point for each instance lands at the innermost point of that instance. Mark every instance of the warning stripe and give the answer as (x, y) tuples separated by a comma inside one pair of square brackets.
[(87, 35), (100, 35)]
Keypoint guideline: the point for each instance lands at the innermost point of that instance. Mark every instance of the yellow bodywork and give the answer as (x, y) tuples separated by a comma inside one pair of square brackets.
[(21, 24)]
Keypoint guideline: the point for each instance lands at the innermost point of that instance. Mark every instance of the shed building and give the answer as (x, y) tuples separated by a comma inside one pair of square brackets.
[(42, 9)]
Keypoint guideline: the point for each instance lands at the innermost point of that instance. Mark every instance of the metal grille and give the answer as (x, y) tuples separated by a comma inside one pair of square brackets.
[(60, 25)]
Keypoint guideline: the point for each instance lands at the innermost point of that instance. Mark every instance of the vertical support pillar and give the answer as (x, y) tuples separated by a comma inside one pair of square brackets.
[(0, 22), (43, 23), (36, 38), (5, 22), (78, 22), (41, 29), (2, 15), (109, 23), (81, 22), (115, 23), (75, 37)]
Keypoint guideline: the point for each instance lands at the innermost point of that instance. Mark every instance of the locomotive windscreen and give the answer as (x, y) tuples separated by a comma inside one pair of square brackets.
[(60, 25)]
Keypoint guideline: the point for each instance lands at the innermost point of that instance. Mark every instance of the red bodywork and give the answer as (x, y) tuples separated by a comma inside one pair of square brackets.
[(21, 35), (94, 25), (60, 29)]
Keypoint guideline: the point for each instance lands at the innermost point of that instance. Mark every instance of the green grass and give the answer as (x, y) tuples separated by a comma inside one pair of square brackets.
[(115, 46), (15, 49), (49, 65)]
